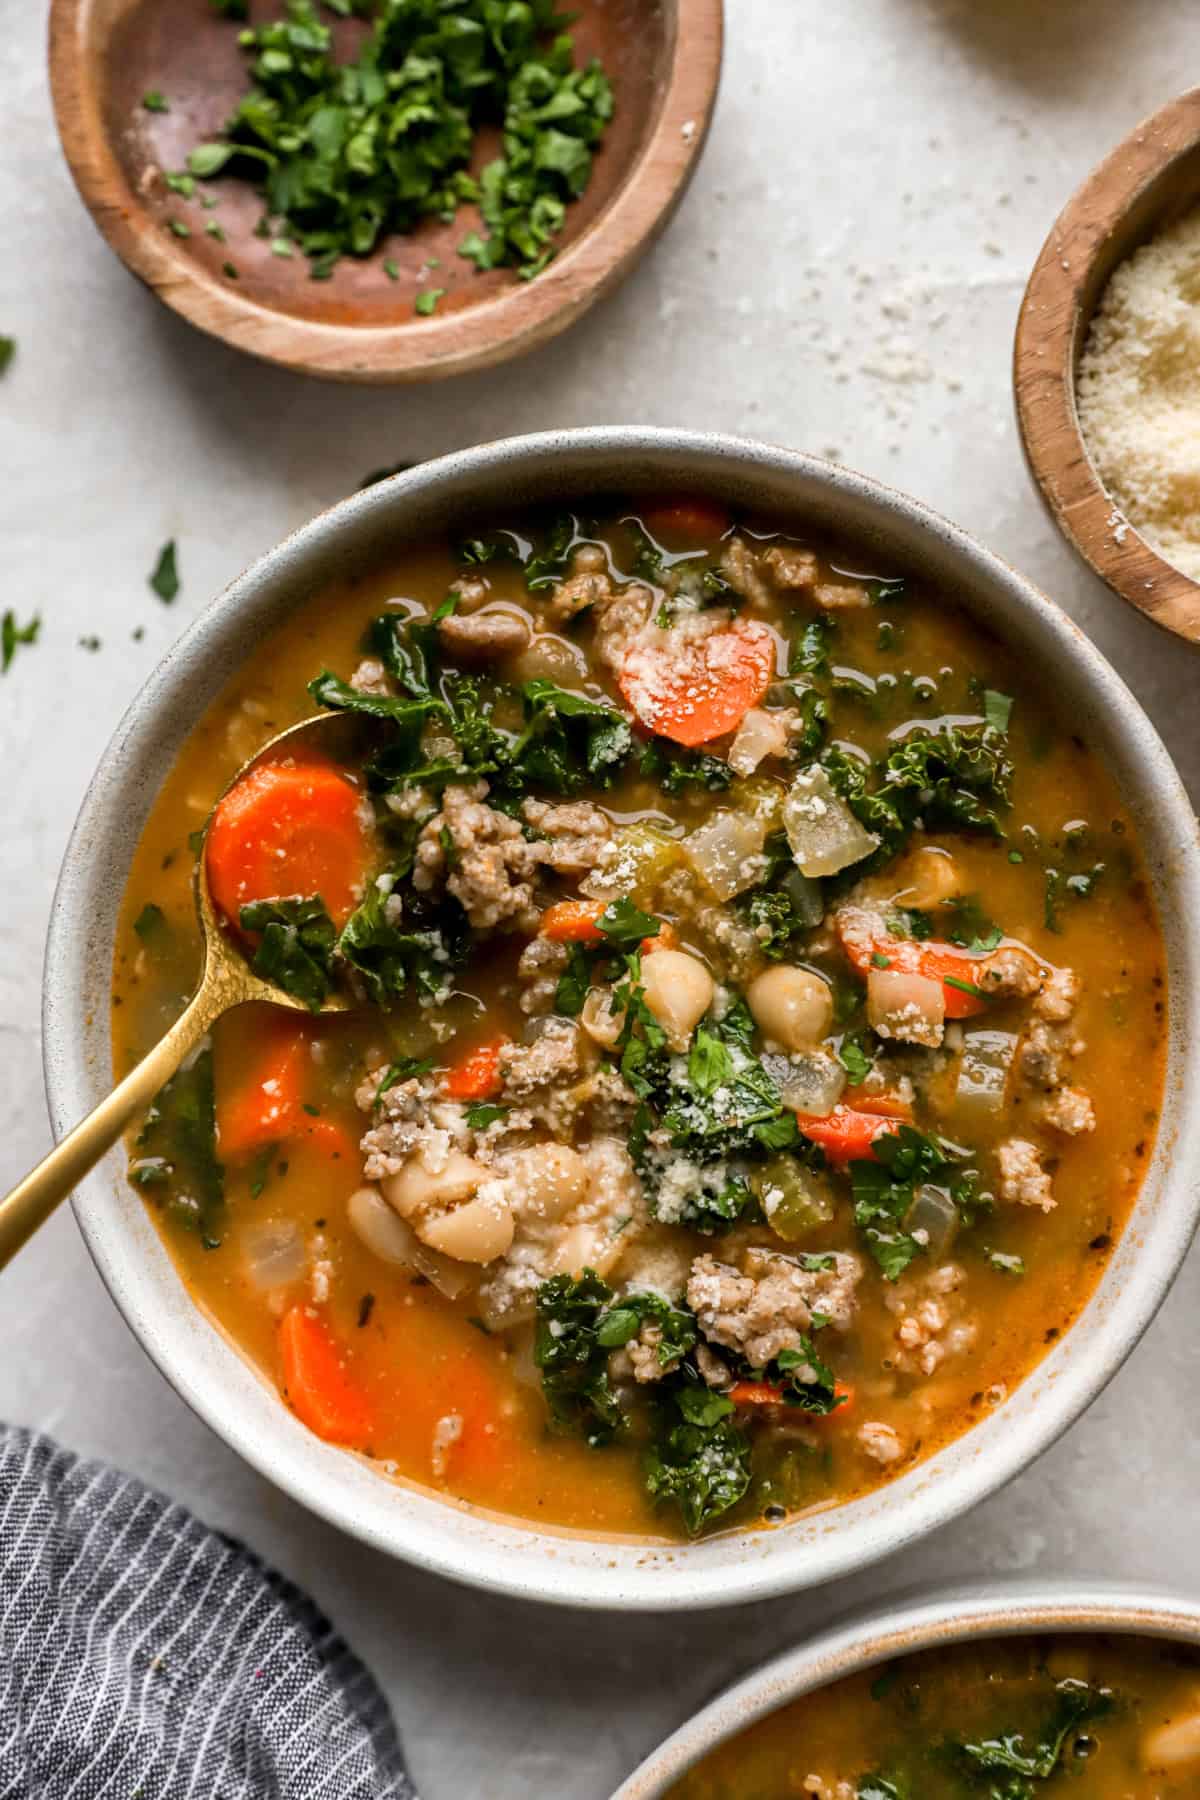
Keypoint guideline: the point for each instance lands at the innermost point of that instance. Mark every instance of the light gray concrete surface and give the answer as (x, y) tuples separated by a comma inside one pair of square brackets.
[(843, 277)]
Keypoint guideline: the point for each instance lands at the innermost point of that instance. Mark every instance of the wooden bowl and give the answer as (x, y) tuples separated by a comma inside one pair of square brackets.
[(1149, 180), (663, 57)]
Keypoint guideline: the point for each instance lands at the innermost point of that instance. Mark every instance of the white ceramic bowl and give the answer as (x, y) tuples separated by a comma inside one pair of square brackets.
[(206, 1370), (903, 1625)]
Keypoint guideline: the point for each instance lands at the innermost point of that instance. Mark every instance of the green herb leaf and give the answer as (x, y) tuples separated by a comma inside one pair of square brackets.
[(296, 945), (164, 580), (177, 1148), (150, 923), (1076, 1703), (155, 102), (483, 1114), (13, 635), (426, 301), (997, 709), (625, 924), (8, 349)]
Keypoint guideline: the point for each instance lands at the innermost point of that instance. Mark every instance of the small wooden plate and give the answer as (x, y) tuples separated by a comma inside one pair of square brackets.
[(1149, 180), (664, 60)]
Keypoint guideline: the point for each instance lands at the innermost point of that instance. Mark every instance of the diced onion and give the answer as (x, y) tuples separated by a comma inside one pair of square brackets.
[(932, 1219), (387, 1236), (274, 1254), (983, 1074), (810, 1081), (726, 852), (824, 834)]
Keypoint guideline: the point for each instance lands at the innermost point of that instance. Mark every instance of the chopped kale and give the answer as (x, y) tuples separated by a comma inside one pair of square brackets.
[(569, 740), (700, 1458), (810, 651), (953, 778), (728, 1097), (349, 152), (676, 769), (151, 923), (625, 1318), (885, 1188), (13, 635), (295, 948), (1076, 1703), (177, 1151), (391, 958), (808, 1383), (548, 563), (997, 709), (164, 578), (573, 1361)]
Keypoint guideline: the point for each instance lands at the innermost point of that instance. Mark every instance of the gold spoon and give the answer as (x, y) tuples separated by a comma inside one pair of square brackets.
[(226, 980)]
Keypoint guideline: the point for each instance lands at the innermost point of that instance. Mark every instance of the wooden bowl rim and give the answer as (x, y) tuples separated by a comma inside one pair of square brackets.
[(1050, 329), (417, 349)]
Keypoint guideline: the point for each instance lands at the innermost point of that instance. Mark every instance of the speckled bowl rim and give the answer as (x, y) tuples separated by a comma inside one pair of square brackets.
[(200, 1363), (901, 1626)]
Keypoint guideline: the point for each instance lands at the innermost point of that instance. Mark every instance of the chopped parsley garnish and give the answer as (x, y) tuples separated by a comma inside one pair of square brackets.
[(12, 636), (426, 301), (150, 923), (351, 152), (885, 1188), (164, 579), (483, 1114), (155, 102)]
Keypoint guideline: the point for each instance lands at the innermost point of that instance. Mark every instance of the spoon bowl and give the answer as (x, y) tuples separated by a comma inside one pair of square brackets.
[(227, 980)]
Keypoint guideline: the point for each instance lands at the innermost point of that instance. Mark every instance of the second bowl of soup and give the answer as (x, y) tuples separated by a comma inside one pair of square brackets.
[(750, 901), (1000, 1693)]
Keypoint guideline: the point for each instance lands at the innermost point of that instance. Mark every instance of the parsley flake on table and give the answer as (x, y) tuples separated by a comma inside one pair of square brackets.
[(12, 635), (350, 152), (165, 577), (8, 349)]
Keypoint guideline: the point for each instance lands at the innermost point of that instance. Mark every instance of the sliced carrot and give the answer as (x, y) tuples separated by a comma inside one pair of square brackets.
[(756, 1393), (316, 1384), (289, 828), (694, 519), (694, 689), (477, 1075), (259, 1102), (771, 1393), (328, 1139), (846, 1135), (937, 962), (666, 938), (572, 922)]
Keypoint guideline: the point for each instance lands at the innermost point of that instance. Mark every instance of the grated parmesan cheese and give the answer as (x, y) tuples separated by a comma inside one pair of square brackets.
[(1139, 393)]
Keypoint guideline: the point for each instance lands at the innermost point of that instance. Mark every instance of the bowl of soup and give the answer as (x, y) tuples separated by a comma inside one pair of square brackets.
[(1001, 1691), (759, 1121)]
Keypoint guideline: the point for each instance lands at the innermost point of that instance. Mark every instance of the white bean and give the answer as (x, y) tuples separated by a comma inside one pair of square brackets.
[(679, 991), (791, 1006), (389, 1238), (417, 1190), (477, 1231), (546, 1180)]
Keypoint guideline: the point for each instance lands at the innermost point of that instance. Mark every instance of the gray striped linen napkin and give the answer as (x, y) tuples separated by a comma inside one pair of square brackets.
[(143, 1657)]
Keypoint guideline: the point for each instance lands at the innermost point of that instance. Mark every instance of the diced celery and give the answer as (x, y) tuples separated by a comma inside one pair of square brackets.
[(795, 1200)]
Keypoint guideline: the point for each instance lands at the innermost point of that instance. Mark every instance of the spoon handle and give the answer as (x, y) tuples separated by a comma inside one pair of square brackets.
[(32, 1201)]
